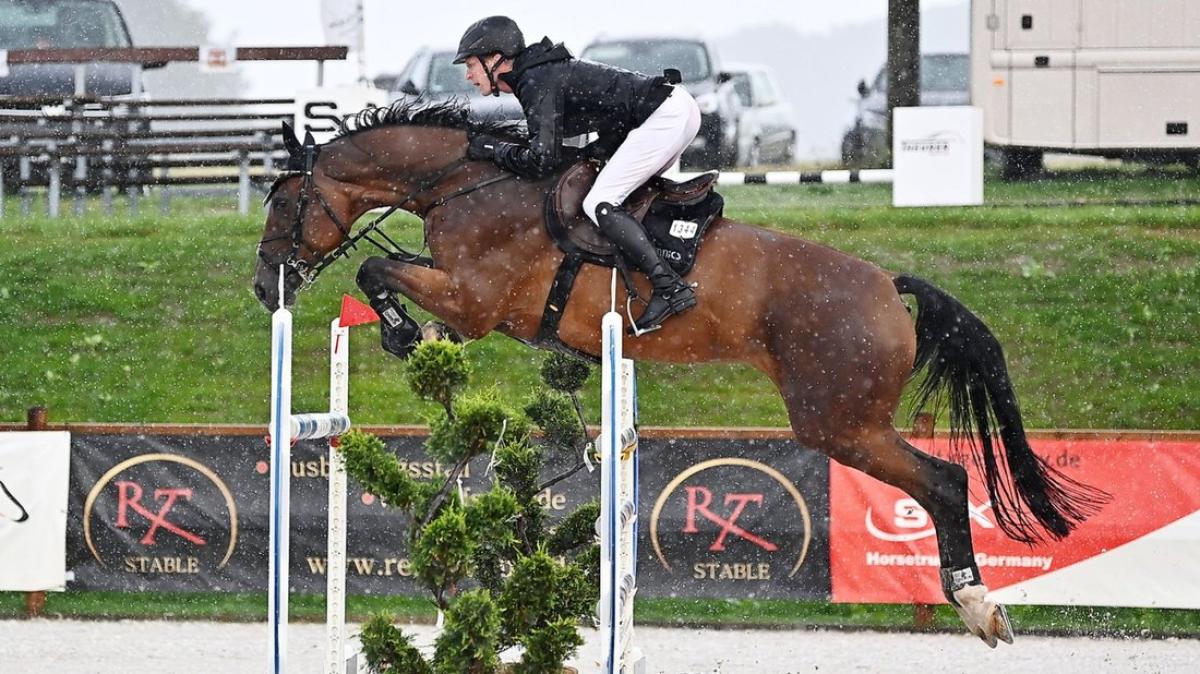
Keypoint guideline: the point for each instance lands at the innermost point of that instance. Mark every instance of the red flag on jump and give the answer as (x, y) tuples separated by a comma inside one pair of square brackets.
[(355, 312)]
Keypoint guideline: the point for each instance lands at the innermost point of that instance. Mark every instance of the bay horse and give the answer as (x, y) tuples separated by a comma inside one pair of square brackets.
[(828, 329)]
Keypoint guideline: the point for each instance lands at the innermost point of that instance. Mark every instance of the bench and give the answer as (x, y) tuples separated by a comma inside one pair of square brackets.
[(87, 146)]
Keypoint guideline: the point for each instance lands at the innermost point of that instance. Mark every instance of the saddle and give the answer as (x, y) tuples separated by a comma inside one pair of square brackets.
[(675, 216)]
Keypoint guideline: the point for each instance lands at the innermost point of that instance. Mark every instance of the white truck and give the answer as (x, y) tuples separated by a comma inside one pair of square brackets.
[(1115, 78)]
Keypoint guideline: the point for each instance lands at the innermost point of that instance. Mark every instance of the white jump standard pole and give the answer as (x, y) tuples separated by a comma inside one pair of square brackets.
[(618, 500), (335, 558)]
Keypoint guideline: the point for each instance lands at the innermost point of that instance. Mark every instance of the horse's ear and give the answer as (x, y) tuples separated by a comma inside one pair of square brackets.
[(290, 142), (308, 138)]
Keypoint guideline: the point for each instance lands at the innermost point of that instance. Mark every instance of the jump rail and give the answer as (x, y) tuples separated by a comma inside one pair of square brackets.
[(833, 176)]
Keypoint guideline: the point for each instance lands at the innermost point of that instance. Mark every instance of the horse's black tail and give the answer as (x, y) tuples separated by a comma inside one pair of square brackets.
[(965, 361)]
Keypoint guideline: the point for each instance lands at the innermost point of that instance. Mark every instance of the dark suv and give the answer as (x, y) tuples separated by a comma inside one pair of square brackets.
[(945, 80), (60, 24), (716, 145), (65, 24)]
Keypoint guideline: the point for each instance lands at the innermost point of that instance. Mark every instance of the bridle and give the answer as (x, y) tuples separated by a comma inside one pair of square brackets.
[(309, 271)]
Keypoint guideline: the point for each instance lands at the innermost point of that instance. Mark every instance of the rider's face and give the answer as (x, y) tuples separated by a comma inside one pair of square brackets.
[(476, 74)]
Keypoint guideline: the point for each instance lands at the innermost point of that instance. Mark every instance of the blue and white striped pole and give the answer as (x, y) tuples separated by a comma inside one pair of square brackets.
[(281, 461)]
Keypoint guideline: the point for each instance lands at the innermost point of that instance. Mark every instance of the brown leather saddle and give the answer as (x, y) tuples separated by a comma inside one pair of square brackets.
[(675, 216), (575, 233)]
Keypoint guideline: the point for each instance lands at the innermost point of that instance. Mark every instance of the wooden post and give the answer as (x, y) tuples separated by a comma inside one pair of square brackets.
[(35, 602), (924, 615), (904, 59)]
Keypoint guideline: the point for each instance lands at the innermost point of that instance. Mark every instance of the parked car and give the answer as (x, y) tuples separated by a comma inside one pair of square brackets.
[(945, 80), (716, 145), (65, 24), (433, 75), (767, 126)]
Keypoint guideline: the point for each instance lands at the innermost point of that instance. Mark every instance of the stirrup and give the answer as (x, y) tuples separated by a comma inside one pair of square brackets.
[(674, 307), (633, 328)]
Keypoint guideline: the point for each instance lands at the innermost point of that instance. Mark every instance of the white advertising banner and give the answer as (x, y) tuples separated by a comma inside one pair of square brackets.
[(34, 472), (937, 156), (320, 111), (342, 21)]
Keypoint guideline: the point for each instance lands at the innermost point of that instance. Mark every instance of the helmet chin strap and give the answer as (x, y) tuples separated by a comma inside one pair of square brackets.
[(491, 74)]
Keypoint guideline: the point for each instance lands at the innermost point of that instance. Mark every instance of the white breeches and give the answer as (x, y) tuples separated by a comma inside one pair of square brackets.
[(647, 151)]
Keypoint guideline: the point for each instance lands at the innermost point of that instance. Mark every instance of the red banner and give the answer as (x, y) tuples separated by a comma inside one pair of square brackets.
[(883, 548)]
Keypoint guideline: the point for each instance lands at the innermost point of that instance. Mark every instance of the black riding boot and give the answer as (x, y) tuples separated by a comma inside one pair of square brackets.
[(398, 332), (670, 295)]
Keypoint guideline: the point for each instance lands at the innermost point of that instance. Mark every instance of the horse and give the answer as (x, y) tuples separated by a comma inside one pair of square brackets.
[(830, 331)]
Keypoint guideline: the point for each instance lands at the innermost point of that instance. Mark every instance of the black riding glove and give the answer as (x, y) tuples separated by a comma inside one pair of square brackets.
[(482, 147), (600, 149)]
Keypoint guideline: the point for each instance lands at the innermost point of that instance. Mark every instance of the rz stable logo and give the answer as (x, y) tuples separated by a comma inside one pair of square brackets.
[(731, 511), (159, 512)]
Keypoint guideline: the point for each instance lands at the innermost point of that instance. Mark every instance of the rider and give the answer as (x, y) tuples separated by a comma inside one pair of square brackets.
[(643, 123)]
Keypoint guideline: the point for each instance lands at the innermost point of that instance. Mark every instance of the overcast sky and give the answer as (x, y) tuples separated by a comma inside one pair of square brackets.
[(395, 29)]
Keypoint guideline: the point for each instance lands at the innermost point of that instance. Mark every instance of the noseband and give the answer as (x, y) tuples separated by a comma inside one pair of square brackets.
[(309, 271)]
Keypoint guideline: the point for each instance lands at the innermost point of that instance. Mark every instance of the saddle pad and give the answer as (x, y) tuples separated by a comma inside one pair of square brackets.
[(675, 215)]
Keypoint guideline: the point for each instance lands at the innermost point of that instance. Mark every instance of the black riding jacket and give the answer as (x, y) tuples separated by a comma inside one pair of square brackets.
[(563, 96)]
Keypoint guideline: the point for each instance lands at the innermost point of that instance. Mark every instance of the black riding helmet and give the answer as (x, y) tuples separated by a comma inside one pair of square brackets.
[(493, 35)]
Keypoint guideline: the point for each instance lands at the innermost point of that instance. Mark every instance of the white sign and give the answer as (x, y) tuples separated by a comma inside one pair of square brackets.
[(343, 22), (218, 59), (34, 472), (937, 156), (3, 63), (321, 111)]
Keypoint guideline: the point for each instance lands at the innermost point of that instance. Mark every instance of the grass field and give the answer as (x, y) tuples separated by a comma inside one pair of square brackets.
[(151, 319)]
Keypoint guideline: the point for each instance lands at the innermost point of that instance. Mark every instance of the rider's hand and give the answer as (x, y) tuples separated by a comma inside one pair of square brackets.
[(595, 150), (482, 147)]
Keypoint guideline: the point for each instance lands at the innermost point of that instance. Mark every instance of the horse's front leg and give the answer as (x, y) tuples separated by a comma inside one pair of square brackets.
[(431, 289)]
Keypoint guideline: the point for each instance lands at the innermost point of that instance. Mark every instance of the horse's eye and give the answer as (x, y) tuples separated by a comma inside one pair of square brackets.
[(279, 204)]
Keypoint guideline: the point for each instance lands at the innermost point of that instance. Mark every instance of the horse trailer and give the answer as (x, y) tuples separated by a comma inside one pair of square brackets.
[(1115, 78)]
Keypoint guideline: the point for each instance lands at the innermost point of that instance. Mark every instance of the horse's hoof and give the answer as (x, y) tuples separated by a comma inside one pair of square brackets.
[(435, 330), (1001, 625), (984, 618)]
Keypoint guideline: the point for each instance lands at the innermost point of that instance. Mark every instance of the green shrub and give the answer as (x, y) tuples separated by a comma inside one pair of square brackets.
[(487, 562)]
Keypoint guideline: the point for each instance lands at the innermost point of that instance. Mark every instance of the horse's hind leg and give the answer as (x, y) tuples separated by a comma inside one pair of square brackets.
[(942, 492), (841, 368), (940, 487)]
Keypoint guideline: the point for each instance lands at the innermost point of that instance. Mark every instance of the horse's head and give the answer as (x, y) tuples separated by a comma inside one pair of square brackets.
[(413, 159), (308, 216)]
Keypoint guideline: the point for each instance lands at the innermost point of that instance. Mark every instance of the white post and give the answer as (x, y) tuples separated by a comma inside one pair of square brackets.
[(281, 462), (335, 559), (618, 499)]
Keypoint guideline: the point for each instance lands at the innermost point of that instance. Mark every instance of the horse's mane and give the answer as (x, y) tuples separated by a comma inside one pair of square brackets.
[(450, 114)]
